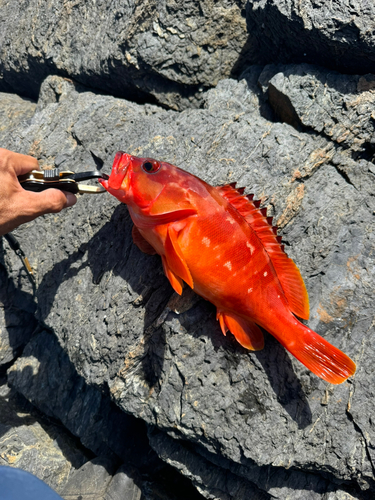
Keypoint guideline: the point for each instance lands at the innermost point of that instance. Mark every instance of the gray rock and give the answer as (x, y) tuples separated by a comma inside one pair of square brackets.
[(162, 358), (49, 380), (169, 52), (14, 110), (336, 106), (34, 444), (164, 51), (17, 320), (122, 487), (212, 480), (83, 410), (333, 34), (90, 481)]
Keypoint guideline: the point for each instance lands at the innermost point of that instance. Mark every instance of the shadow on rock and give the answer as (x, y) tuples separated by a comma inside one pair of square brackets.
[(16, 315), (20, 421), (111, 252), (285, 383), (346, 50), (84, 410), (89, 414)]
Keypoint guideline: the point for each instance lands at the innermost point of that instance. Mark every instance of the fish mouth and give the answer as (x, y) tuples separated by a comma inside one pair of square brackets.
[(104, 177), (119, 170)]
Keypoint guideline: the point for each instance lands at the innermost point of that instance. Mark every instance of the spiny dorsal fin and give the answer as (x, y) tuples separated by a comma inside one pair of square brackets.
[(286, 270)]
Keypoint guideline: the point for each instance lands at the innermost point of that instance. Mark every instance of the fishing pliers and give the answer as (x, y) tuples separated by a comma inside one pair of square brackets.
[(65, 180)]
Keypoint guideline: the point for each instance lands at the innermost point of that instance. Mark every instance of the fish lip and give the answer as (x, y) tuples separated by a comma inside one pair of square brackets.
[(120, 168)]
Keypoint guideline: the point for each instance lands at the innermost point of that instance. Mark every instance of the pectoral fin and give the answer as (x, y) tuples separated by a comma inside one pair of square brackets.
[(246, 332), (170, 206), (167, 217), (175, 259), (174, 280)]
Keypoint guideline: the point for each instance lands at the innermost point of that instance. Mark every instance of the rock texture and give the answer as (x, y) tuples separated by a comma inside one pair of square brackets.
[(334, 34), (211, 407), (165, 51), (162, 404), (170, 51), (33, 443)]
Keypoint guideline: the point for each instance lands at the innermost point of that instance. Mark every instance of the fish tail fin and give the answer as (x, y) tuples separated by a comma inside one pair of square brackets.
[(316, 353)]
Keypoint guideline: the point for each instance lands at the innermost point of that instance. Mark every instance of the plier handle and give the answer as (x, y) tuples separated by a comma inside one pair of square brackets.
[(65, 180)]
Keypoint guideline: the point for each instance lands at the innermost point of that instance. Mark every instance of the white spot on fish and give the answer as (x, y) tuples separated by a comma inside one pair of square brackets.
[(278, 296), (206, 241), (230, 220), (228, 264), (249, 290), (250, 246), (265, 274)]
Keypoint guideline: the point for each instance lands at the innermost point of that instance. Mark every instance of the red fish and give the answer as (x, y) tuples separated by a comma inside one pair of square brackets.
[(223, 246)]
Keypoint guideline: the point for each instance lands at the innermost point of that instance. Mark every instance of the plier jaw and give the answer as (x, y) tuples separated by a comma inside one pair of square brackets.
[(65, 180)]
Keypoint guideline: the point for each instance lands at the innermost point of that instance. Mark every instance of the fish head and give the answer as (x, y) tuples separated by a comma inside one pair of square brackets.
[(138, 182)]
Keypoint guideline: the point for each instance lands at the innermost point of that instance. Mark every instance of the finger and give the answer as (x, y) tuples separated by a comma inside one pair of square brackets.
[(22, 164), (45, 202)]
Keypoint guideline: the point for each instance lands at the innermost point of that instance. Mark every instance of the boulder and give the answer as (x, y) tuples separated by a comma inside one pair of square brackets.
[(170, 52), (165, 52), (332, 34), (236, 423), (32, 442)]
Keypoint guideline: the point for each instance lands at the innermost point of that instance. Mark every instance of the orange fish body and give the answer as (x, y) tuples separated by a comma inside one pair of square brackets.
[(224, 247)]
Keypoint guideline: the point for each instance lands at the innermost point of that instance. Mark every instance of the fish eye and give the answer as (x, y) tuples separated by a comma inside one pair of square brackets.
[(151, 166)]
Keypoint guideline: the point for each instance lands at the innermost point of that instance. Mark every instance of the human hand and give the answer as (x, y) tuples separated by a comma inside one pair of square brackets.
[(17, 205)]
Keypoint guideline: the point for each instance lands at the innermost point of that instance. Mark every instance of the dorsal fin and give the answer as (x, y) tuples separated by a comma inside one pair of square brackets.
[(286, 270)]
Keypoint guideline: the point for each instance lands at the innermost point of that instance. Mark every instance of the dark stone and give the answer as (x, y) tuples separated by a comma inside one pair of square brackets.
[(336, 106), (30, 441), (49, 380), (90, 481), (152, 51), (84, 410), (163, 359), (122, 487), (17, 320), (332, 34)]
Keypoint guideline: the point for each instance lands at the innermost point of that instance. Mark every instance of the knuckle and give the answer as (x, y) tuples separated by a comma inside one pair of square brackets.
[(4, 157), (57, 204)]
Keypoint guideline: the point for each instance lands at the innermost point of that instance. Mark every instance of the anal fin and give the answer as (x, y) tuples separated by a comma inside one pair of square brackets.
[(246, 332)]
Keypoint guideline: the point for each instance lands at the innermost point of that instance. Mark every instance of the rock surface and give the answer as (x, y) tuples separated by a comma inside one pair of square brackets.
[(33, 443), (163, 405), (169, 51), (235, 423), (166, 51), (333, 34)]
